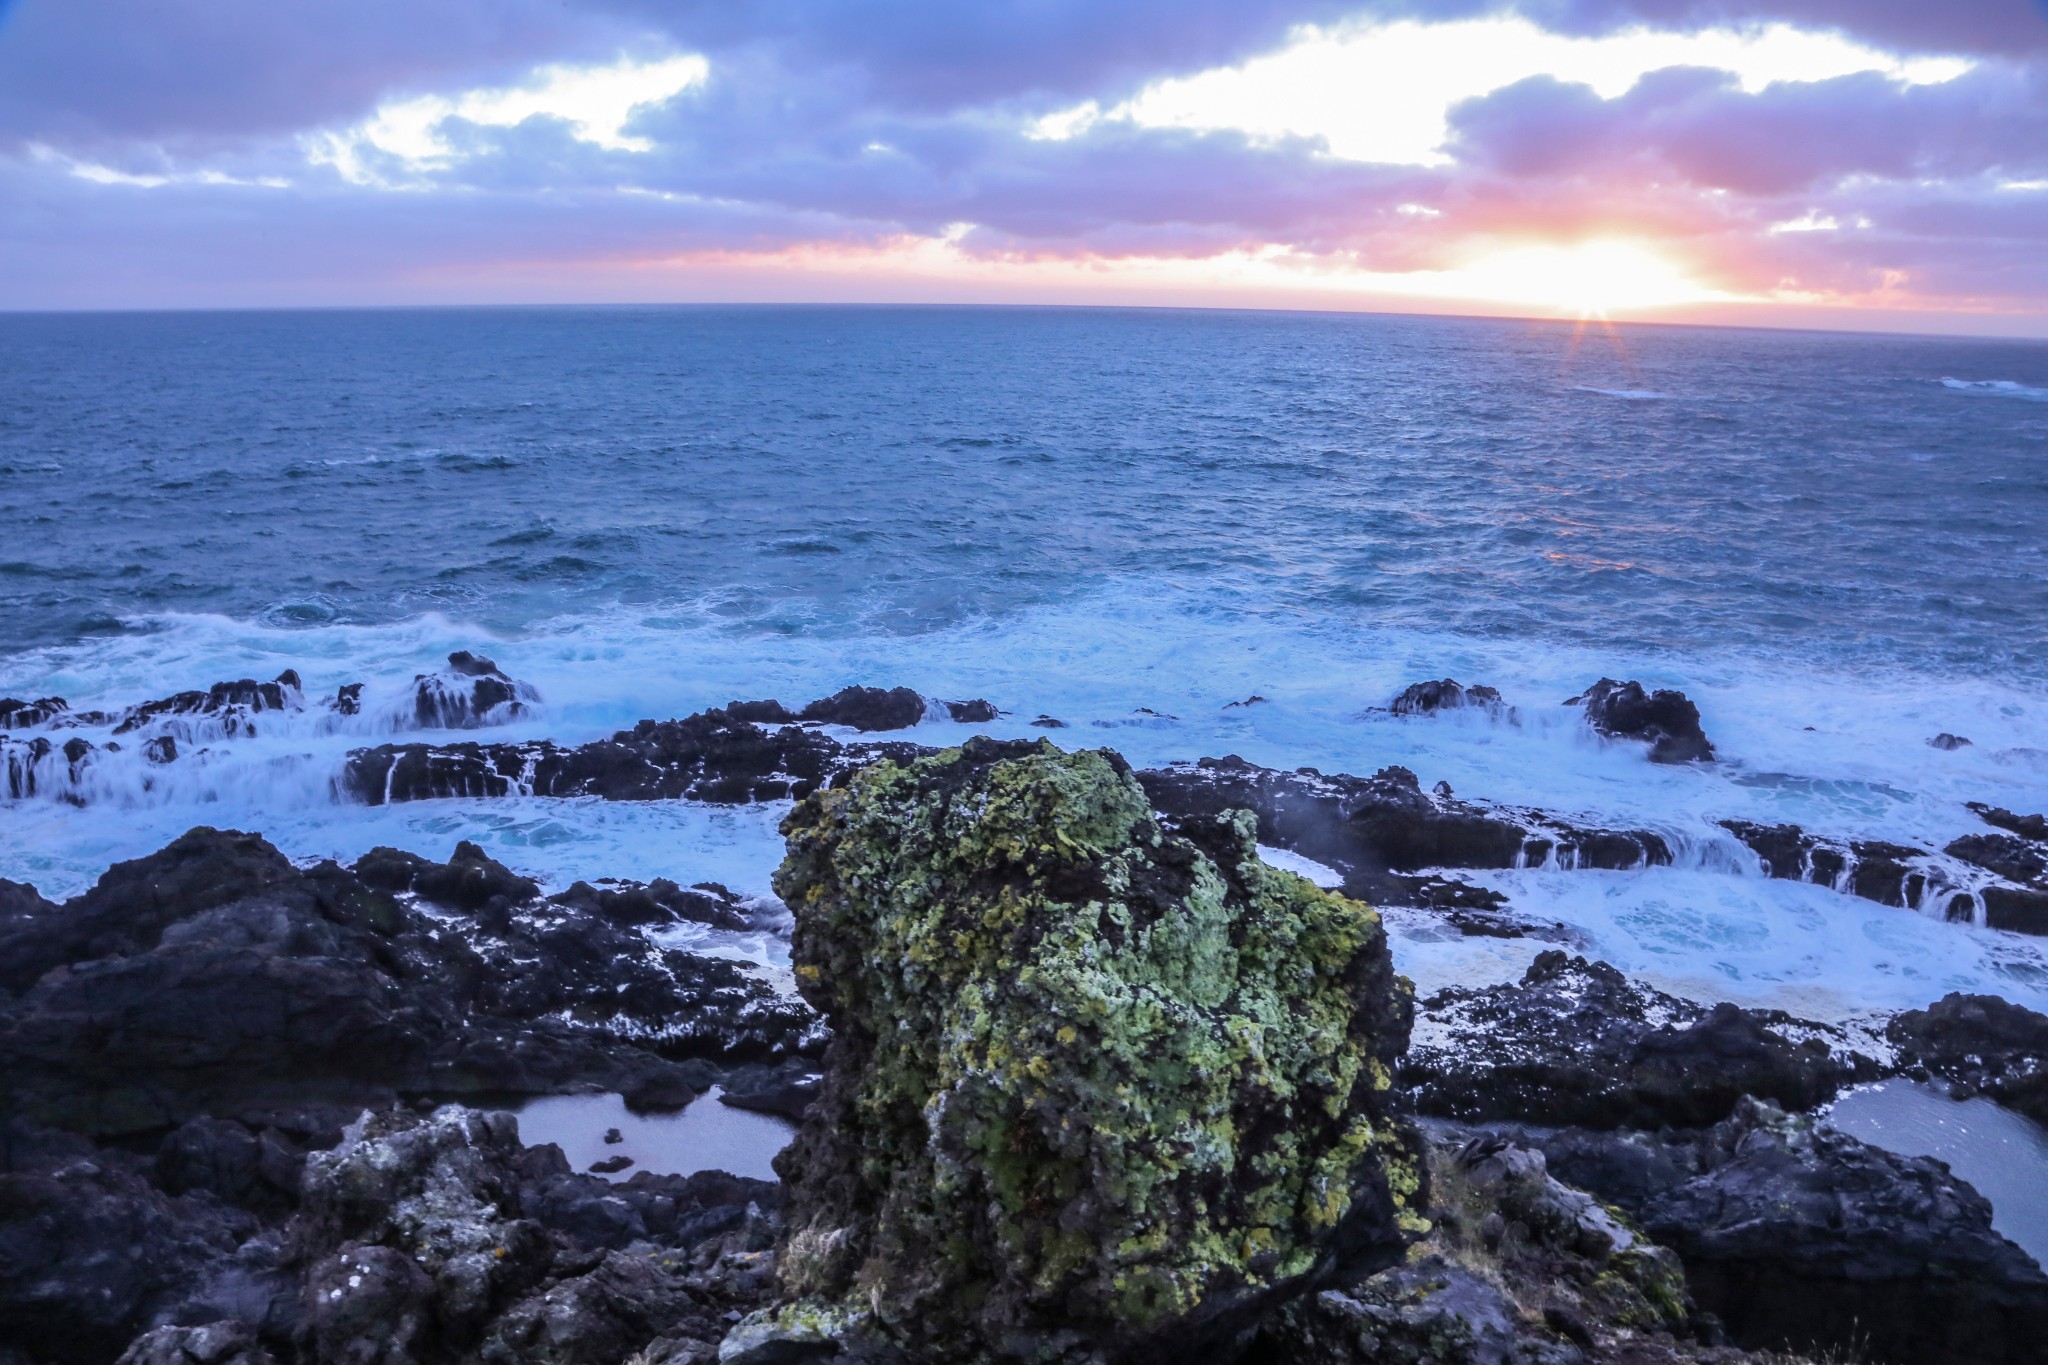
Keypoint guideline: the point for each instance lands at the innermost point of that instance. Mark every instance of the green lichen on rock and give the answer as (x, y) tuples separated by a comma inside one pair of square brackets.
[(1098, 1091)]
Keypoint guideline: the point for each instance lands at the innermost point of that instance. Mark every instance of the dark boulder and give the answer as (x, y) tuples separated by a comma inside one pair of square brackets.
[(657, 902), (2018, 860), (1577, 1043), (27, 715), (1428, 698), (225, 1342), (132, 904), (869, 708), (787, 1089), (471, 693), (92, 1253), (471, 880), (1095, 1092), (1797, 1236), (1666, 720), (1947, 742), (214, 978), (975, 712), (1981, 1044)]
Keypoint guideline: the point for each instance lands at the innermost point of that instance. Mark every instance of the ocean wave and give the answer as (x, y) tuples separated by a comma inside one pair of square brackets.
[(1635, 395), (1997, 388)]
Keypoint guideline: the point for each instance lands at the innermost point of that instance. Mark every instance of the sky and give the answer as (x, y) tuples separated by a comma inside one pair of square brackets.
[(1834, 163)]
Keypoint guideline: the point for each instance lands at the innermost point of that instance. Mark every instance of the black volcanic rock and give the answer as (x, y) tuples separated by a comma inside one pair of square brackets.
[(1427, 698), (869, 708), (215, 978), (2019, 860), (2033, 827), (1885, 872), (1577, 1043), (1982, 1044), (1796, 1235), (27, 715), (472, 692), (91, 1254), (228, 707), (1379, 831), (1664, 719)]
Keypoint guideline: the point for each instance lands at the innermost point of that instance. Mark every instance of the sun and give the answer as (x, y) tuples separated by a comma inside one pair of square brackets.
[(1592, 279)]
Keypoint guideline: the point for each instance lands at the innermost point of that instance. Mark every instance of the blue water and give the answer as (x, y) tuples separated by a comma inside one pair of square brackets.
[(1834, 543)]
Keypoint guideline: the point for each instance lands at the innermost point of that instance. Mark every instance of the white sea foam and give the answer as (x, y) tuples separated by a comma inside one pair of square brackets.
[(1845, 756), (1997, 388), (1634, 395)]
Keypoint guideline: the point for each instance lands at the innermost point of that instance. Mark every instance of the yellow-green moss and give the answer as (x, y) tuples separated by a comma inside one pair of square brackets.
[(1083, 1070)]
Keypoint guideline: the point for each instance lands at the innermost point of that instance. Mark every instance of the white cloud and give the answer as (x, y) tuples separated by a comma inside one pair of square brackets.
[(100, 174), (1380, 93), (596, 102)]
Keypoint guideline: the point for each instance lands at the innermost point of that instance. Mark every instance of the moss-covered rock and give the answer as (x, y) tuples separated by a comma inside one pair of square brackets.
[(1097, 1092)]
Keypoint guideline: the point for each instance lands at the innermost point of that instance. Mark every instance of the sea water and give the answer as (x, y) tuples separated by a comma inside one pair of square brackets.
[(1834, 544)]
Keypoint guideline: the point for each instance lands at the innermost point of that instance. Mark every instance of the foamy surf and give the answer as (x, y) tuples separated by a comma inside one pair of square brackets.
[(1160, 676)]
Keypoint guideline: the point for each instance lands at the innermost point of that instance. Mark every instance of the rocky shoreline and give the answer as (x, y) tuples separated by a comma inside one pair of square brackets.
[(250, 1110)]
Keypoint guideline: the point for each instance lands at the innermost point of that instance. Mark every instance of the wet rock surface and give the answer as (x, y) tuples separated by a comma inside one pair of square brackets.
[(1796, 1235), (1576, 1043), (470, 693), (1382, 832), (216, 978), (1981, 1045), (1665, 720), (1096, 1092), (1950, 882), (1446, 694)]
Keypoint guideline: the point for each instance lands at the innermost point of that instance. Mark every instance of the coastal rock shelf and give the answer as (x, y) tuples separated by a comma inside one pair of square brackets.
[(1391, 841), (225, 1134)]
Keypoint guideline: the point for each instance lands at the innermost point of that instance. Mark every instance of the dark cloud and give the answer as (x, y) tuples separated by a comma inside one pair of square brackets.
[(199, 71)]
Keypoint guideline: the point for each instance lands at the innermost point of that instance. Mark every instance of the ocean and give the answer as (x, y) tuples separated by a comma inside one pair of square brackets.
[(1836, 544)]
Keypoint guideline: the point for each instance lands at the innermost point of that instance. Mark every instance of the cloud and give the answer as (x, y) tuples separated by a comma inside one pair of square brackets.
[(180, 151)]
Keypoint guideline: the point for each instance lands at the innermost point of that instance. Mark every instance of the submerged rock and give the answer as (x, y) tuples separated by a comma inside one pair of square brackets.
[(1666, 720), (1096, 1092)]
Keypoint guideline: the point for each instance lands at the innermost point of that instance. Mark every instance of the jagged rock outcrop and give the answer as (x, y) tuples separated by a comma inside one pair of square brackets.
[(17, 714), (712, 756), (1577, 1043), (1446, 694), (225, 710), (1794, 1234), (1518, 1269), (2014, 897), (215, 978), (1665, 720), (1096, 1092), (1380, 831), (2033, 827), (472, 692), (1980, 1044)]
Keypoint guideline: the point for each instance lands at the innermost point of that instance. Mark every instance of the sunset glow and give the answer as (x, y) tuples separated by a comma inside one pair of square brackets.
[(1773, 164)]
